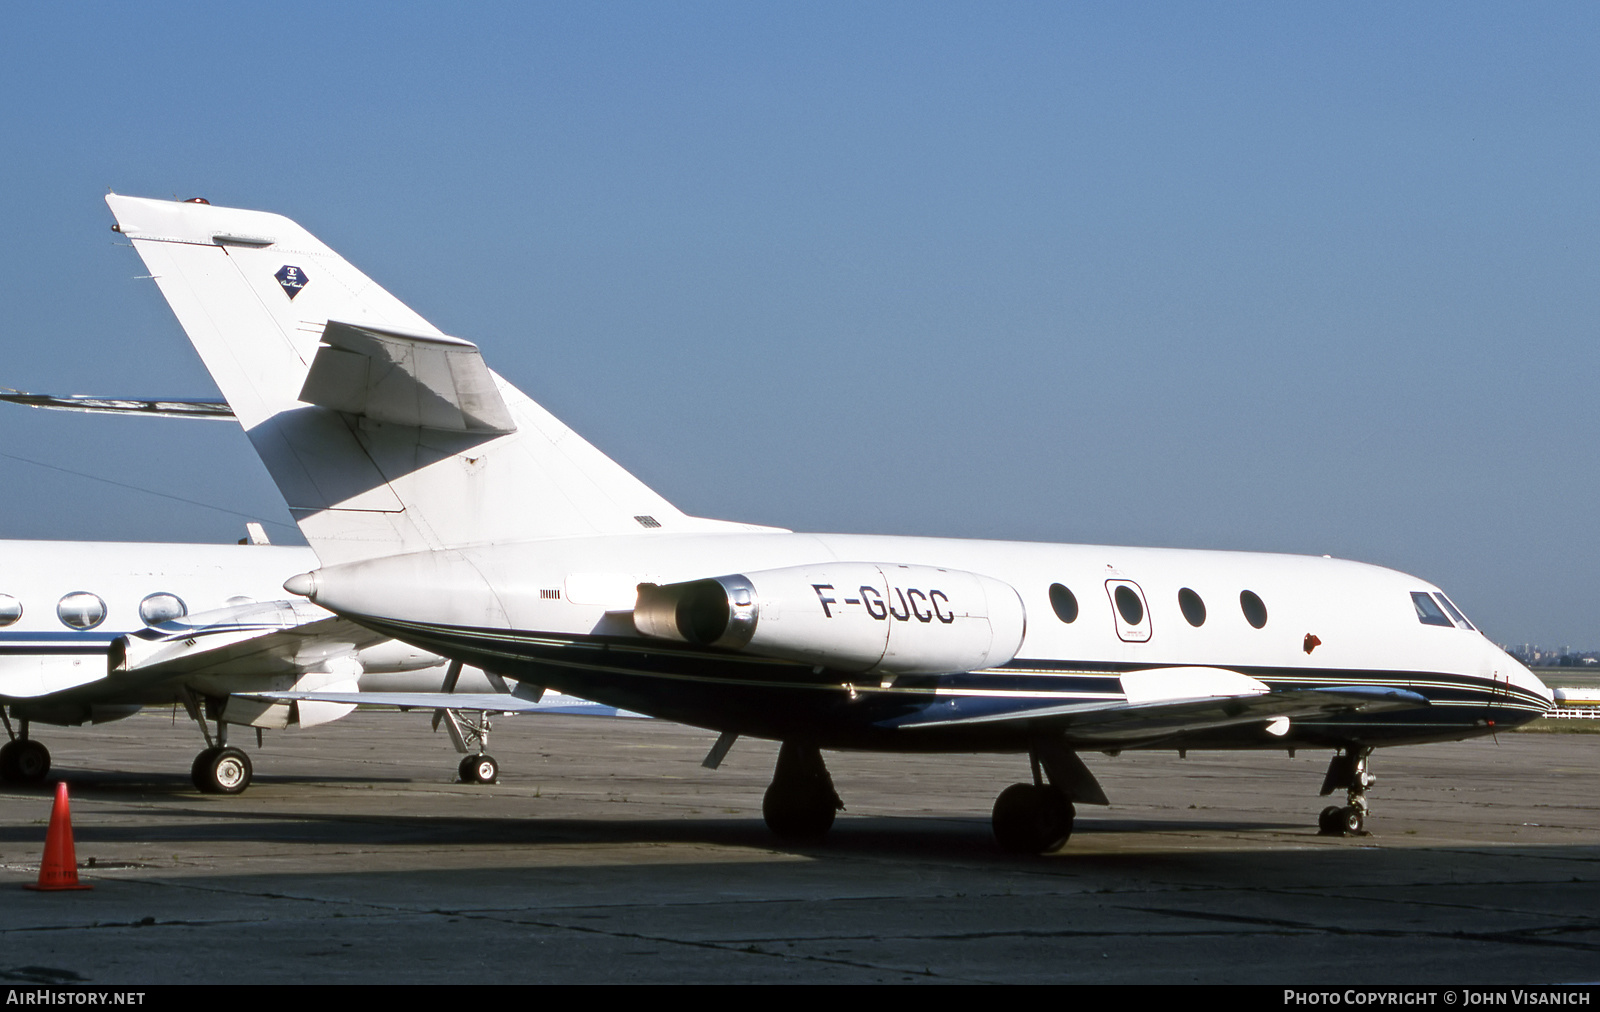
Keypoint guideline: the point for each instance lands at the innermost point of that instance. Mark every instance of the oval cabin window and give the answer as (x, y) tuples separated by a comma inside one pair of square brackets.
[(159, 608), (1129, 605), (1254, 611), (10, 610), (1193, 608), (1064, 603), (81, 610)]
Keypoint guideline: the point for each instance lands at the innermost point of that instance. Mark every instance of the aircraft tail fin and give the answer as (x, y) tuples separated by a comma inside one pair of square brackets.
[(384, 434)]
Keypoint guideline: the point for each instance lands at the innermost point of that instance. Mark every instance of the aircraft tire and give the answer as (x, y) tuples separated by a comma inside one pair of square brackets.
[(199, 772), (1347, 820), (798, 812), (1030, 819), (479, 769), (221, 770), (24, 762)]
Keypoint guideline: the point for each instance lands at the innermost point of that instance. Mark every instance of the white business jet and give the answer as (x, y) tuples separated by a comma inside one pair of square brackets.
[(451, 512), (93, 631)]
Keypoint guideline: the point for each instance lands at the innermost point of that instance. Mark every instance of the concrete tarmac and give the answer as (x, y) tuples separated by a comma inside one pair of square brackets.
[(607, 854)]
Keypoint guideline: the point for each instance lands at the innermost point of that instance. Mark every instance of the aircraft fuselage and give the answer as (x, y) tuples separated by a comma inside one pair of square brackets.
[(534, 611)]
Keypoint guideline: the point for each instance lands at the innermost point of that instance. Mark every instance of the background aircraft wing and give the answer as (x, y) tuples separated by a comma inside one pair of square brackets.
[(215, 410), (490, 702), (277, 638)]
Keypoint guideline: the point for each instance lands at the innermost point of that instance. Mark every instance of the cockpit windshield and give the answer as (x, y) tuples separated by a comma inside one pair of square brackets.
[(1455, 613), (1428, 612)]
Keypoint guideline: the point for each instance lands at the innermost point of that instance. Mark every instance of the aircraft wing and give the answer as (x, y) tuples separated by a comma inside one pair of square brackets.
[(1123, 724), (275, 638), (489, 702)]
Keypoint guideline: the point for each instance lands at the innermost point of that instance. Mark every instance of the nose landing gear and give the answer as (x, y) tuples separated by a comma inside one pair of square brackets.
[(1347, 769)]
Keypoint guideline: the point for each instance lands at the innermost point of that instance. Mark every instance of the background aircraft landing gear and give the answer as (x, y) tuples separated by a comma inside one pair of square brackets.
[(221, 769), (801, 802), (1347, 769), (479, 769), (24, 761), (469, 732)]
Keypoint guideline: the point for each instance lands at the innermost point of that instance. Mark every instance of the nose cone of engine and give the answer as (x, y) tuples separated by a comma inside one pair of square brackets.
[(303, 585)]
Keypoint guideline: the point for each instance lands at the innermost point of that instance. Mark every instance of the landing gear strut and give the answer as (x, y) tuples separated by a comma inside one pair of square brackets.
[(1348, 769), (801, 802), (22, 760)]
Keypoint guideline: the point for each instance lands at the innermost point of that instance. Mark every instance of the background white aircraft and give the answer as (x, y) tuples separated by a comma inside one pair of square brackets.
[(92, 632), (450, 511)]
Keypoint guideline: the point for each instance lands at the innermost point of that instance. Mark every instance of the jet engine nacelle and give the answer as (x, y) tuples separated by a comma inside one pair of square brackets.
[(851, 616)]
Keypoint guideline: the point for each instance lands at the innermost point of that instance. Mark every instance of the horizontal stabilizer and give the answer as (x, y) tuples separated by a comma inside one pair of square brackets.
[(405, 379)]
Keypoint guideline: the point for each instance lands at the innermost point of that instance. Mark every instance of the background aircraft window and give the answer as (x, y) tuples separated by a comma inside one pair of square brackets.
[(1254, 611), (1455, 613), (1129, 604), (10, 609), (1194, 609), (161, 608), (81, 610), (1065, 604), (1428, 612)]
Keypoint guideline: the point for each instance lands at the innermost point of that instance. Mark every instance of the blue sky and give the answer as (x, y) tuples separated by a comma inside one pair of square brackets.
[(1308, 278)]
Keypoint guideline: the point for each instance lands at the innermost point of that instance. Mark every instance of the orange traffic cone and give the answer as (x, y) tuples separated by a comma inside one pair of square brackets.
[(59, 870)]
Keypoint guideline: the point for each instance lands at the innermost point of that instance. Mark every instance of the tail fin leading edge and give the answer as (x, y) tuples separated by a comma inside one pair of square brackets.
[(383, 434)]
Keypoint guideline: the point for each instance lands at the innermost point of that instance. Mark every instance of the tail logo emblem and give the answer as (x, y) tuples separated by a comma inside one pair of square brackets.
[(292, 279)]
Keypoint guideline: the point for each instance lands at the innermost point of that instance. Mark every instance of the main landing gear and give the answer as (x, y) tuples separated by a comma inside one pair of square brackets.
[(219, 768), (22, 760), (1032, 819), (800, 803), (1348, 769), (1037, 818)]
